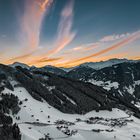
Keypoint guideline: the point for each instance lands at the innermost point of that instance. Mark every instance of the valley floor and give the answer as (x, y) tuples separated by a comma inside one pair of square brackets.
[(37, 119)]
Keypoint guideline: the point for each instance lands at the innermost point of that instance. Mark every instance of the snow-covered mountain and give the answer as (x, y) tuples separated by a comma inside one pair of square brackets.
[(93, 65), (122, 80), (104, 64), (46, 106), (19, 64)]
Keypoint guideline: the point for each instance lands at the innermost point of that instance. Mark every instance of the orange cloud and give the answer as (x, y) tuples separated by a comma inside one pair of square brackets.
[(45, 3), (64, 35), (135, 57), (49, 61), (21, 57), (82, 48), (31, 21), (87, 47)]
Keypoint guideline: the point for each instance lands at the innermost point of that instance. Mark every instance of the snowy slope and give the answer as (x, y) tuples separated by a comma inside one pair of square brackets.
[(44, 117), (120, 79), (99, 65), (104, 64)]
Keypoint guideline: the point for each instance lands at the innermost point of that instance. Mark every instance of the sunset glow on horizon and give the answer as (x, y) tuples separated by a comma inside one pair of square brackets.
[(68, 33)]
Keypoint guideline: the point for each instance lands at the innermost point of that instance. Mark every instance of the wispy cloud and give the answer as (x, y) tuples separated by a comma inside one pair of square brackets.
[(86, 47), (21, 57), (65, 35), (42, 61), (82, 48), (114, 37), (31, 21)]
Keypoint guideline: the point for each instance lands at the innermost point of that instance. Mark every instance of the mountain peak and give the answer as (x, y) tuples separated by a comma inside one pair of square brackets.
[(103, 64), (15, 64)]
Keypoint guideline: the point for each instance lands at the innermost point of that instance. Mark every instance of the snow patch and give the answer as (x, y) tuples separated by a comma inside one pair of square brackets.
[(106, 85)]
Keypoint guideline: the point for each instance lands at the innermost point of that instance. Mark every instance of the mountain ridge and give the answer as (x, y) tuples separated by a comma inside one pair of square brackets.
[(114, 60)]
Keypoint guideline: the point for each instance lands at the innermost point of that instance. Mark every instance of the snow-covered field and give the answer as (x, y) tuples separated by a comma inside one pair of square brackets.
[(37, 119)]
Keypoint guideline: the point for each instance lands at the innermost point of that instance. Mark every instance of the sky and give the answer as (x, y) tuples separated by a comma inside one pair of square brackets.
[(66, 33)]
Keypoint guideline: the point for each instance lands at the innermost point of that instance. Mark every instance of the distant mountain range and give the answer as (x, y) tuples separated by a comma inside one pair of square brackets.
[(121, 77)]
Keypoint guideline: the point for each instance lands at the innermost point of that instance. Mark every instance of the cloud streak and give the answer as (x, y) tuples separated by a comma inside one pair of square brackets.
[(31, 21), (86, 47), (42, 61), (21, 57), (114, 37), (64, 34)]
